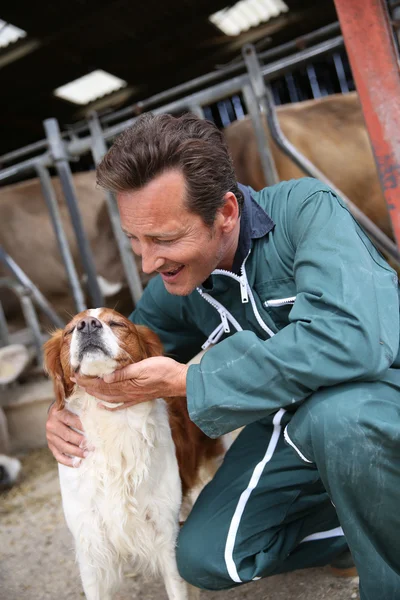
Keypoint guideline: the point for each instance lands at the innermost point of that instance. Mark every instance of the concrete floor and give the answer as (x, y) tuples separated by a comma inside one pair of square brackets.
[(37, 560)]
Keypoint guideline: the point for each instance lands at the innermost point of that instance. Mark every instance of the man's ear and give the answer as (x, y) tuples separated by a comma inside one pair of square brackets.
[(228, 214), (52, 366), (149, 342)]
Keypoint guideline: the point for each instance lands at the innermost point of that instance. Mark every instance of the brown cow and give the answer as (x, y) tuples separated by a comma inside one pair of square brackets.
[(27, 235), (331, 133)]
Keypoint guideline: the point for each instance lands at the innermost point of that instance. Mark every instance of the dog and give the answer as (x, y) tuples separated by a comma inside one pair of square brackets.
[(123, 502)]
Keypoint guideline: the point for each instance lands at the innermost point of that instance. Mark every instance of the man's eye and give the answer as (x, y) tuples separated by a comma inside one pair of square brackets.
[(116, 324), (162, 241)]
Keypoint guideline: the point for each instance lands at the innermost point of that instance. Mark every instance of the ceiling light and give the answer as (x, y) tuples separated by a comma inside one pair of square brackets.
[(9, 33), (246, 14), (90, 87)]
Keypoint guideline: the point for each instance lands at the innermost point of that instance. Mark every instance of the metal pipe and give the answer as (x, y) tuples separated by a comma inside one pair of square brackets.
[(253, 95), (376, 73), (26, 166), (217, 92), (215, 75), (24, 296), (58, 151), (99, 149), (27, 283), (4, 337), (33, 322), (382, 240), (264, 148), (182, 88), (52, 205), (10, 156)]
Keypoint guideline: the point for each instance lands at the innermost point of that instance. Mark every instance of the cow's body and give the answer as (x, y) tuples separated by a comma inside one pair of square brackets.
[(26, 233), (331, 133)]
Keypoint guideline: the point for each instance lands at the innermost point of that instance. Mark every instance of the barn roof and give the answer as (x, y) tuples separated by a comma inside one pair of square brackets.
[(152, 46)]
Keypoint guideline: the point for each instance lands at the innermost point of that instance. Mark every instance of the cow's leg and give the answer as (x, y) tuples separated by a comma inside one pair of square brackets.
[(4, 439)]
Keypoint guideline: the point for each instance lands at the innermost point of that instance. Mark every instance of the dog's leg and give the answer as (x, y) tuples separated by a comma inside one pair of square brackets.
[(97, 585), (177, 589)]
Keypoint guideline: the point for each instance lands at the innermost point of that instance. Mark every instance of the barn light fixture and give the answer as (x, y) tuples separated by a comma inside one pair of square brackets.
[(246, 14), (9, 33), (90, 87)]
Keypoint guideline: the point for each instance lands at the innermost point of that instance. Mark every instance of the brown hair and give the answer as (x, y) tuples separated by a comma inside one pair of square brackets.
[(156, 143)]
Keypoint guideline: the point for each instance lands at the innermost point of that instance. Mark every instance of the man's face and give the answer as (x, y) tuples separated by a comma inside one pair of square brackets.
[(172, 240)]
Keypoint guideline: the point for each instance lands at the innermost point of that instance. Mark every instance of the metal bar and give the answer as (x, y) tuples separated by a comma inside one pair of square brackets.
[(313, 79), (382, 240), (99, 149), (338, 62), (253, 95), (33, 322), (217, 92), (57, 147), (294, 45), (52, 205), (196, 109), (25, 166), (27, 283), (10, 156), (376, 73), (4, 337), (264, 149), (213, 94), (298, 43)]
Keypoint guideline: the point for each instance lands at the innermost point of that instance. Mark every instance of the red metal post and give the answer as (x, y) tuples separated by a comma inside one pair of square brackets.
[(374, 60)]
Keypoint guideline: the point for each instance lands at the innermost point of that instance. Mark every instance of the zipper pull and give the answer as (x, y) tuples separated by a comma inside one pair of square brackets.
[(243, 290), (224, 321)]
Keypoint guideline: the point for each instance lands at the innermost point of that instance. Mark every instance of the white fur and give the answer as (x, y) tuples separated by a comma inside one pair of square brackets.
[(12, 468), (122, 503)]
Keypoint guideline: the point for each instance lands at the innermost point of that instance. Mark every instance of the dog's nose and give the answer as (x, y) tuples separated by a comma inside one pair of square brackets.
[(89, 325)]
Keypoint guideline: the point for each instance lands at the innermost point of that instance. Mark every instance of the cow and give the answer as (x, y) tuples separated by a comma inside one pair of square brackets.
[(27, 235), (331, 133)]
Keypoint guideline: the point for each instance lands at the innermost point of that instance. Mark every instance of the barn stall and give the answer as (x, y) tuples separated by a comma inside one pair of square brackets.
[(311, 66)]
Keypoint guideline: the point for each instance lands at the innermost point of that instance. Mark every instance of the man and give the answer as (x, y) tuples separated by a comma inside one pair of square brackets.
[(304, 313)]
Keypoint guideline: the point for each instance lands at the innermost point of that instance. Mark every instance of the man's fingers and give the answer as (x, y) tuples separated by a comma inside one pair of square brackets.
[(60, 446), (64, 460), (120, 375), (72, 420)]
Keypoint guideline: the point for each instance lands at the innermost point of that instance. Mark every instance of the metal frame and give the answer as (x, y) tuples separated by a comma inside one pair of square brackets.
[(374, 61), (265, 99), (60, 149)]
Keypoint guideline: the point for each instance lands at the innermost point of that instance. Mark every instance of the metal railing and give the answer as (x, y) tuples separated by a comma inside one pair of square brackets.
[(59, 150)]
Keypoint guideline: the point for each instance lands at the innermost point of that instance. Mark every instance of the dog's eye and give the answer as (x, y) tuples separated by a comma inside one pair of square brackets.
[(70, 331), (116, 324)]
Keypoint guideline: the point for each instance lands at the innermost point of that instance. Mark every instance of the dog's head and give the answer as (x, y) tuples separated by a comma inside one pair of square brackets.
[(95, 342)]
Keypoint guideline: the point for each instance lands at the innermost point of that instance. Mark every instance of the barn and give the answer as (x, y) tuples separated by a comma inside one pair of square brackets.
[(297, 88)]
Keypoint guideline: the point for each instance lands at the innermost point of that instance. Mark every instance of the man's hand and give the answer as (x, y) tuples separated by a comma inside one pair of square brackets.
[(156, 377), (62, 440)]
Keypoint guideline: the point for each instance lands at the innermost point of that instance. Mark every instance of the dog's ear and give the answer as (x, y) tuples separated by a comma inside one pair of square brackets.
[(149, 342), (53, 366)]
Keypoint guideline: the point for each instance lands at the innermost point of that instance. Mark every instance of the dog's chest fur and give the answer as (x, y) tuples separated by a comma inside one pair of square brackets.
[(124, 497)]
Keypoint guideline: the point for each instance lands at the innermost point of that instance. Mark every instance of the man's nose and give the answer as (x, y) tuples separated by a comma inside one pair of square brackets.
[(150, 261), (89, 325)]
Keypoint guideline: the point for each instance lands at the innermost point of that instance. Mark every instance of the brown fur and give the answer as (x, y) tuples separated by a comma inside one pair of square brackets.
[(331, 133), (193, 448)]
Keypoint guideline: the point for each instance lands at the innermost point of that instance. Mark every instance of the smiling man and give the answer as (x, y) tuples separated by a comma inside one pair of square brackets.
[(303, 316)]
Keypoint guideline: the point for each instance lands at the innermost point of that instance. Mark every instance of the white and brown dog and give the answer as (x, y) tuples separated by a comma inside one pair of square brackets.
[(122, 504)]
